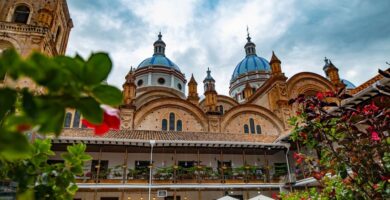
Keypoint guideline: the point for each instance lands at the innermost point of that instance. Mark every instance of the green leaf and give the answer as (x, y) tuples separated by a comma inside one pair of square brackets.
[(10, 61), (97, 68), (7, 101), (72, 189), (107, 94), (90, 109), (14, 146)]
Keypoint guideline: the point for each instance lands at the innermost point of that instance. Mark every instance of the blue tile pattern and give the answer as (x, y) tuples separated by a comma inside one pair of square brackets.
[(251, 63)]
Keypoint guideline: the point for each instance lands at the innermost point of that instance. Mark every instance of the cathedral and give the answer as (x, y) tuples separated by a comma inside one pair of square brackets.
[(175, 143)]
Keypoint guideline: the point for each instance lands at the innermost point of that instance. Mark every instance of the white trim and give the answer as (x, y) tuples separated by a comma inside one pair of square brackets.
[(176, 186)]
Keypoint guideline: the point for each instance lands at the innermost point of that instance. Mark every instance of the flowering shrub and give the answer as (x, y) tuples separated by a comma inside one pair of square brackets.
[(61, 82), (352, 145)]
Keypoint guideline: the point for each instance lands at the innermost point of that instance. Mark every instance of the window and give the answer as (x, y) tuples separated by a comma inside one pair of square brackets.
[(172, 121), (252, 125), (76, 120), (164, 124), (58, 34), (179, 125), (258, 129), (140, 82), (21, 14), (161, 81), (179, 86), (68, 119), (221, 109), (246, 129)]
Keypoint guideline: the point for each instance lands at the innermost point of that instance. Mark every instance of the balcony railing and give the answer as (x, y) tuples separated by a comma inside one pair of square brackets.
[(178, 175), (8, 26)]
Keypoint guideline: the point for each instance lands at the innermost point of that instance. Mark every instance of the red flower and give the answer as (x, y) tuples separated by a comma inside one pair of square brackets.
[(298, 157), (320, 95), (304, 135), (23, 127), (375, 186), (330, 94), (370, 109), (318, 175), (110, 121), (375, 136)]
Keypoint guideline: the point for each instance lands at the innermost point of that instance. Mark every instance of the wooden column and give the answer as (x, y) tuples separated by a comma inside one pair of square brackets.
[(222, 170), (125, 166), (174, 167), (198, 168), (97, 172), (244, 164)]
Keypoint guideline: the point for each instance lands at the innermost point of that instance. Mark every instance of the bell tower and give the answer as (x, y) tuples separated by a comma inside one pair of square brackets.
[(35, 25), (210, 93)]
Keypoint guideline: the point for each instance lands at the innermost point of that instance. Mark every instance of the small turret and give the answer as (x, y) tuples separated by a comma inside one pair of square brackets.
[(210, 93), (332, 73), (193, 91), (275, 65), (159, 46), (129, 89), (248, 91)]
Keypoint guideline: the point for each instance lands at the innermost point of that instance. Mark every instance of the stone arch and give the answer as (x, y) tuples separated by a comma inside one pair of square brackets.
[(272, 121), (224, 100), (8, 42), (152, 95), (171, 103), (19, 3), (305, 81)]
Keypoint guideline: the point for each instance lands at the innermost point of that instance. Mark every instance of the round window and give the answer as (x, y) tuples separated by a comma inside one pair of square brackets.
[(161, 81), (179, 86), (140, 82)]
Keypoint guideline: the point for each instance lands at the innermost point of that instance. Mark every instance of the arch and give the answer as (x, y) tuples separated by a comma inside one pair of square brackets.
[(76, 119), (252, 125), (58, 34), (179, 125), (8, 43), (172, 121), (254, 109), (68, 119), (170, 102), (258, 129), (164, 125), (21, 14), (227, 101), (296, 84), (246, 129), (153, 94)]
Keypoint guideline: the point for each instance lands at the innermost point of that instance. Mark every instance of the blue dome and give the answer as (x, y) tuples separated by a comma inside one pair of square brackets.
[(249, 64), (348, 84), (158, 60)]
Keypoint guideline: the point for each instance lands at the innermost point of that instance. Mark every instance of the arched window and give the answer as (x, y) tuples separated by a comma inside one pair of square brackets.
[(258, 129), (68, 119), (76, 120), (221, 109), (172, 121), (164, 125), (252, 125), (246, 129), (179, 125), (58, 34), (21, 14)]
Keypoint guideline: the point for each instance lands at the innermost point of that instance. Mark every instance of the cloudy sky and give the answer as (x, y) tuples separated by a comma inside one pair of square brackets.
[(354, 34)]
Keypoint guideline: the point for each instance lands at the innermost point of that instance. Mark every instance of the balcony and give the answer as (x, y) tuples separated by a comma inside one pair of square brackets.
[(15, 27)]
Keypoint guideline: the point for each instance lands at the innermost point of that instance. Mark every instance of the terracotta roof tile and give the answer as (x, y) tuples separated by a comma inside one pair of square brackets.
[(72, 133)]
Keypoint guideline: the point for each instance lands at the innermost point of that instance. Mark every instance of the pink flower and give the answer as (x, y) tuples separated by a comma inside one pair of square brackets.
[(375, 136), (111, 120), (370, 109)]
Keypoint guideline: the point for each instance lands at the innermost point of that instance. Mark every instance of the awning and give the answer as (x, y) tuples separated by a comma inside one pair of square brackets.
[(227, 198), (261, 197)]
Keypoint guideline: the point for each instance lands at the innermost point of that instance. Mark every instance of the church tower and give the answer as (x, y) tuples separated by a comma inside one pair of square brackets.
[(210, 93), (332, 73), (193, 91), (35, 25)]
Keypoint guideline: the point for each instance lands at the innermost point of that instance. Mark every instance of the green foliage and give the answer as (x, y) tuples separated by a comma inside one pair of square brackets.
[(57, 83), (55, 181)]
